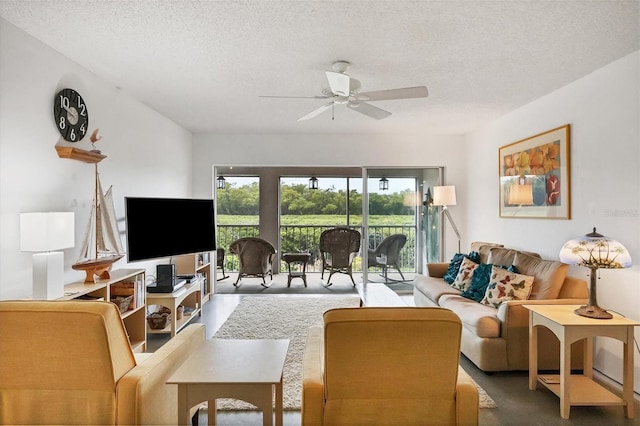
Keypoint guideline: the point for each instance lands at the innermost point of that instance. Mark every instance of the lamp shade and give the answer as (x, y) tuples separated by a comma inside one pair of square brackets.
[(46, 231), (595, 251), (444, 195), (521, 195)]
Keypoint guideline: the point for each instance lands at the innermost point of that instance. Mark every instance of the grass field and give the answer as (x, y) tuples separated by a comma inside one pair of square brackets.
[(320, 220)]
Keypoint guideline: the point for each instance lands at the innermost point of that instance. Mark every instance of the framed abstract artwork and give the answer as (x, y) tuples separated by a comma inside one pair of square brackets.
[(534, 176)]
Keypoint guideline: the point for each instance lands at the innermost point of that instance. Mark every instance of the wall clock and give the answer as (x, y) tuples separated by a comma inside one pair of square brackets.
[(71, 115)]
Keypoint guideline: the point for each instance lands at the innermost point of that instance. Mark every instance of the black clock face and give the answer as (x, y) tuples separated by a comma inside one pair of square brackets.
[(71, 115)]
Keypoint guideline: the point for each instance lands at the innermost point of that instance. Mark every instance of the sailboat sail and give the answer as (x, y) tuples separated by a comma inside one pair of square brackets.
[(101, 238), (101, 246)]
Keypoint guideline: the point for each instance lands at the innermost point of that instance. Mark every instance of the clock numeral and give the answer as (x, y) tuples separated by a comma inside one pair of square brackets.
[(72, 134), (83, 109), (62, 124), (83, 130), (64, 102)]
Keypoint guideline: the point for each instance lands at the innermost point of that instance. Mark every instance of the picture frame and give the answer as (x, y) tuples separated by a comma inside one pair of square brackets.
[(534, 176)]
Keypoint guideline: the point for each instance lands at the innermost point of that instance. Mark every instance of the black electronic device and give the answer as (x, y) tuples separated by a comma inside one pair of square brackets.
[(165, 227), (166, 275)]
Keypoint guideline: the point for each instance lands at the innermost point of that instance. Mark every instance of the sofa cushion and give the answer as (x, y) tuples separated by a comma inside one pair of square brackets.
[(548, 275), (433, 288), (505, 256), (483, 250), (482, 320), (465, 274), (506, 285)]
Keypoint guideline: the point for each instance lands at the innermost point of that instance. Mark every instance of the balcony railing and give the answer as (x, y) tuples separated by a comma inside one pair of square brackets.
[(295, 238)]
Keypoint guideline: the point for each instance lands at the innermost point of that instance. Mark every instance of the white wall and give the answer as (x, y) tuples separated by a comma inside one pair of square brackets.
[(147, 154), (603, 110)]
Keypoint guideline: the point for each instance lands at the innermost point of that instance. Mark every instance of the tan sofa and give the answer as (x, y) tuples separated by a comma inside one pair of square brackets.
[(497, 339), (386, 366), (70, 362)]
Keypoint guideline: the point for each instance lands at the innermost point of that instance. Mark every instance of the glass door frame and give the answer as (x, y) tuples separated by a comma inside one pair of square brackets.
[(423, 181)]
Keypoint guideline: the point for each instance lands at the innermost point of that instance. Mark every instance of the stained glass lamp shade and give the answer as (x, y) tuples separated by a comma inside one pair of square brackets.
[(595, 251)]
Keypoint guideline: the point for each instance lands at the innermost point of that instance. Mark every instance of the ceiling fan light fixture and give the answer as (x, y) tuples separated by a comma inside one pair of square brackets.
[(340, 66)]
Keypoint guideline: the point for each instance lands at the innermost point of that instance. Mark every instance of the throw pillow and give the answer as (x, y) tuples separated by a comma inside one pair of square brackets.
[(479, 282), (505, 285), (454, 265), (465, 274), (549, 275)]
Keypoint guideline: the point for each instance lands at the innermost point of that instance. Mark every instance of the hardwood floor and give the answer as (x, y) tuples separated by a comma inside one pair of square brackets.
[(517, 405)]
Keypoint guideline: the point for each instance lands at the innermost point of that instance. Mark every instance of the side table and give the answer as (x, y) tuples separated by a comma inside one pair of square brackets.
[(293, 258), (249, 370), (580, 389)]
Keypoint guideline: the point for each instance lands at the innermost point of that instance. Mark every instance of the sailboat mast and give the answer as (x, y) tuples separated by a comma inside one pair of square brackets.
[(96, 208)]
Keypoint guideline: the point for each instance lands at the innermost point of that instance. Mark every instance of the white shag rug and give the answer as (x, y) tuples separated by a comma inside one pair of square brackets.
[(265, 317)]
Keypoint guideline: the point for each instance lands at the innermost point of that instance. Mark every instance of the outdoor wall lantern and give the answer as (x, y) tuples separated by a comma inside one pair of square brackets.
[(221, 182), (313, 183), (384, 184)]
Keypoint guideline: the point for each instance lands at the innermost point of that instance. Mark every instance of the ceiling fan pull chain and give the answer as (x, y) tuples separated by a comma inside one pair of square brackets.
[(333, 106)]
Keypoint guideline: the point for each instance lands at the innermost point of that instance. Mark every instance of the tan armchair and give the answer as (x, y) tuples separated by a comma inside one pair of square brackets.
[(256, 258), (387, 254), (338, 248), (387, 366), (70, 362)]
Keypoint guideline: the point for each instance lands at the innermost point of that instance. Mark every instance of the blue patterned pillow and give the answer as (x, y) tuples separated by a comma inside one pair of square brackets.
[(479, 283), (454, 265)]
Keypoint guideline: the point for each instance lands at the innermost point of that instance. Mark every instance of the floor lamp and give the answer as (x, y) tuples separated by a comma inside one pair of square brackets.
[(446, 196), (42, 233)]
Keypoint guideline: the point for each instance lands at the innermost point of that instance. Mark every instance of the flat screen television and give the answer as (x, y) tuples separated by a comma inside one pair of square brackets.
[(165, 227)]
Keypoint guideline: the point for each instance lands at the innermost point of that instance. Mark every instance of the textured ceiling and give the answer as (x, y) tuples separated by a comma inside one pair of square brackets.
[(203, 64)]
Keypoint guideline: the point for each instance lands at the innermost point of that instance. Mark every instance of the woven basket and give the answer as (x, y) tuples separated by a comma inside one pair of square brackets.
[(158, 321), (122, 302)]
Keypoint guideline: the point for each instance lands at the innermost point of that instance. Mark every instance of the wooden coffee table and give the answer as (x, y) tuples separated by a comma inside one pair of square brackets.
[(249, 370)]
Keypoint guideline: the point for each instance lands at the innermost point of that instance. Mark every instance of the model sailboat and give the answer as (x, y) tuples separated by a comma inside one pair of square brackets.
[(101, 246)]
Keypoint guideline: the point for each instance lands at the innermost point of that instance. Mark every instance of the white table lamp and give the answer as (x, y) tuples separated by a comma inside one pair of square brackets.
[(42, 233), (446, 196)]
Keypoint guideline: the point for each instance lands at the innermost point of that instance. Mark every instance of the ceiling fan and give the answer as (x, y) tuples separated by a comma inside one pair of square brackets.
[(345, 90)]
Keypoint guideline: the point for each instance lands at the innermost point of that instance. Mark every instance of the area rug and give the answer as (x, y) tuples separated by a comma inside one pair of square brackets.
[(277, 317)]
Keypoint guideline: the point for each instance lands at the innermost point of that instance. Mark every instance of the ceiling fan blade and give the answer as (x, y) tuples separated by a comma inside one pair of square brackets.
[(316, 112), (369, 110), (339, 83), (294, 97), (386, 95)]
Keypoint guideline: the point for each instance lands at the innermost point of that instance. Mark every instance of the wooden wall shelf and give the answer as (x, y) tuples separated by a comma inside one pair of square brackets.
[(79, 154)]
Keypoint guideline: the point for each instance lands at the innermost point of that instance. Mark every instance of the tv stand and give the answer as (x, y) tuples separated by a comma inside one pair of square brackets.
[(197, 265), (189, 295)]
